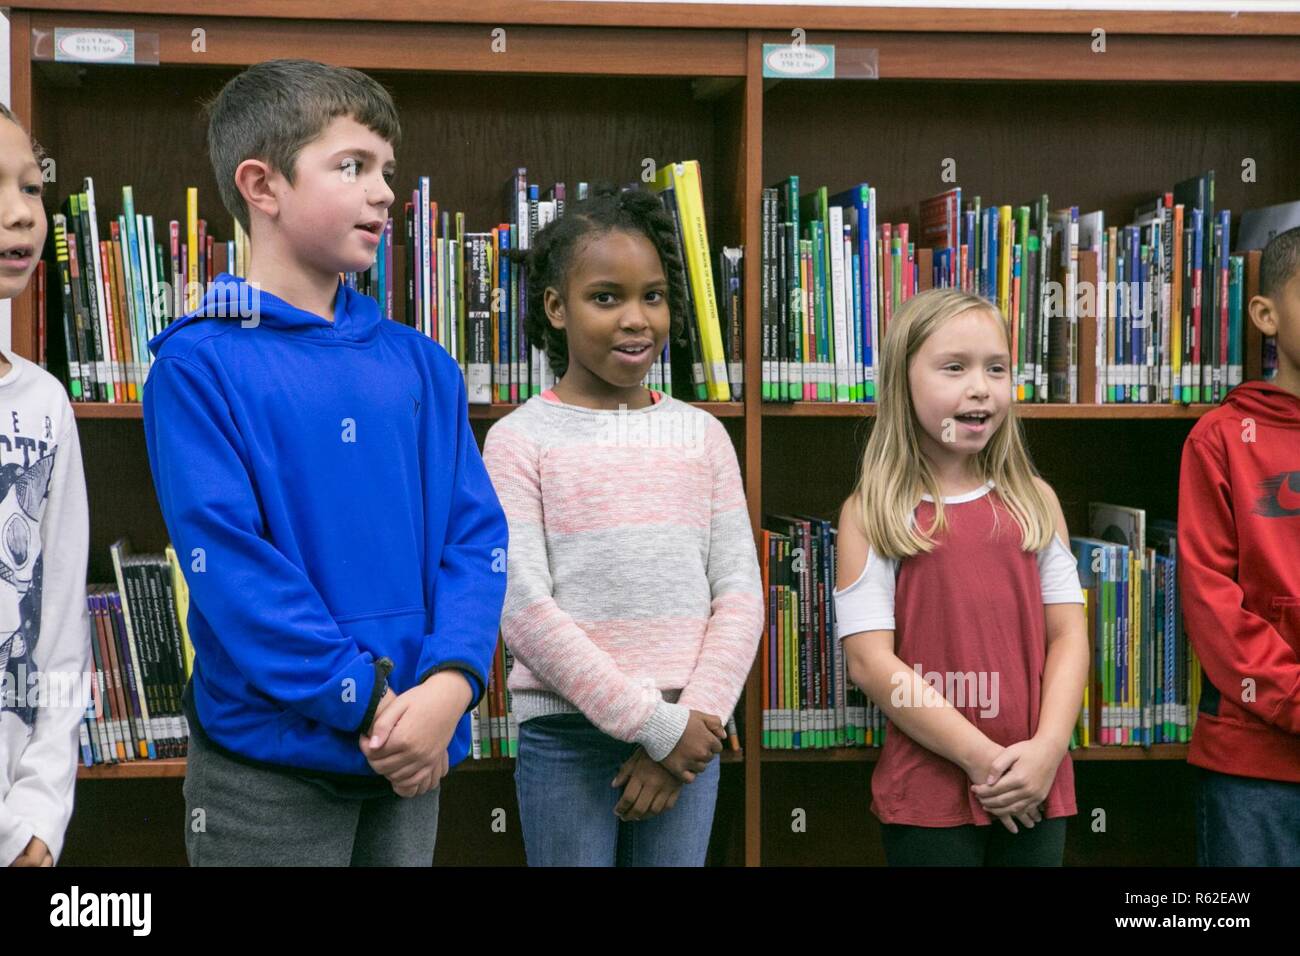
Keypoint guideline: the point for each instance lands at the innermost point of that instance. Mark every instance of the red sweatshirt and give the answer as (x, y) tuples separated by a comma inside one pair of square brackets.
[(1239, 576)]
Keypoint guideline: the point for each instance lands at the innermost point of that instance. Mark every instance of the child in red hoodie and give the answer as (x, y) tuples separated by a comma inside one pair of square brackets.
[(1239, 574)]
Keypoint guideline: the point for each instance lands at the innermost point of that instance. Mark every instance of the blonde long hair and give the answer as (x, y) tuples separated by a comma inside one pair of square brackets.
[(895, 472)]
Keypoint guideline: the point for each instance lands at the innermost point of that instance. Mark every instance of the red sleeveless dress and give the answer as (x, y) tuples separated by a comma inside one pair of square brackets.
[(971, 608)]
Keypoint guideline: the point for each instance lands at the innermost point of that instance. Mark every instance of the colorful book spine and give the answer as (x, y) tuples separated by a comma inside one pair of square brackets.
[(685, 179)]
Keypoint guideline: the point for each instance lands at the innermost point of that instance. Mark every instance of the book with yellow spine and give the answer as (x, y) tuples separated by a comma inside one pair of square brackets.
[(181, 590), (240, 266), (194, 295), (684, 178), (1005, 241)]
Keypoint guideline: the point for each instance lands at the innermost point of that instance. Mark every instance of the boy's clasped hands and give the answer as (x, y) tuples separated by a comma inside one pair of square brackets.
[(408, 738), (1012, 782), (652, 787)]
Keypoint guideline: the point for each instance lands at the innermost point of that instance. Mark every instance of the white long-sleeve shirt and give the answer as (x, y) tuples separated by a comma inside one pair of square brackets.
[(44, 627)]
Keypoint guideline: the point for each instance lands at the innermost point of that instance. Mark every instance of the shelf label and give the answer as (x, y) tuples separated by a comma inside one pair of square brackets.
[(94, 46), (807, 61)]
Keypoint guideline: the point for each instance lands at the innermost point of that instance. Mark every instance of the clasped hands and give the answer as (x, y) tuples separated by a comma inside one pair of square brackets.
[(1012, 782), (408, 738), (652, 787)]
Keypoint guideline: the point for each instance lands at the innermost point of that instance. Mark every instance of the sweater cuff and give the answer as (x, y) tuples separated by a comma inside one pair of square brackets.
[(15, 841), (383, 667), (477, 685), (664, 728)]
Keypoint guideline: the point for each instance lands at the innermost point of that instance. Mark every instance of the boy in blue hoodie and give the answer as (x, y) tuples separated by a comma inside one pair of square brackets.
[(344, 548)]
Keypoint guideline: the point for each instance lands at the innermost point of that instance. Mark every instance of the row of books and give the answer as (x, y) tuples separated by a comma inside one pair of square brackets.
[(116, 290), (1162, 294), (1144, 681), (460, 288), (808, 700), (142, 659), (464, 291), (1143, 684)]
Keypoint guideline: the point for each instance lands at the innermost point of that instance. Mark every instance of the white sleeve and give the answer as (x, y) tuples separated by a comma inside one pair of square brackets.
[(46, 773), (15, 834), (868, 603), (1058, 571)]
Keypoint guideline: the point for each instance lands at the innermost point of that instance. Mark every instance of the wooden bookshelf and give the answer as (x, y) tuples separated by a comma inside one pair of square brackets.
[(789, 410), (476, 412), (872, 754), (1022, 410), (175, 767), (134, 770), (588, 90)]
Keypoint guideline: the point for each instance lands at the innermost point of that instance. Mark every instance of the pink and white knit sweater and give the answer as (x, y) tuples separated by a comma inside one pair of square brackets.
[(633, 594)]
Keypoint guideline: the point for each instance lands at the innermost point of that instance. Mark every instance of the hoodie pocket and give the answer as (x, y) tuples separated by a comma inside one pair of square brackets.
[(395, 633)]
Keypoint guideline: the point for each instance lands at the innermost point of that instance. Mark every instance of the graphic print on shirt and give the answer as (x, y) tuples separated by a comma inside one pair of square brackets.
[(25, 468), (1279, 496)]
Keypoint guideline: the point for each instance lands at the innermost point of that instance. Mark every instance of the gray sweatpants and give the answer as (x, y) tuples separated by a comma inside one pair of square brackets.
[(251, 816)]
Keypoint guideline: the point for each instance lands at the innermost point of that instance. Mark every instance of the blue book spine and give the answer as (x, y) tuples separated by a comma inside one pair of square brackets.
[(503, 316), (870, 272), (994, 242), (1172, 647), (981, 286), (137, 281), (1119, 390), (859, 378), (1125, 623), (968, 240)]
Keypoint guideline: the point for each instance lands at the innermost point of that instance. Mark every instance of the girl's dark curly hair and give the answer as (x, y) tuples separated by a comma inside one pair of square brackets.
[(606, 209)]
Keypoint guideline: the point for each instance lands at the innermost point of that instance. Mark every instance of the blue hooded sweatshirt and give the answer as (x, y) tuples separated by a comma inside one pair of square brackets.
[(333, 518)]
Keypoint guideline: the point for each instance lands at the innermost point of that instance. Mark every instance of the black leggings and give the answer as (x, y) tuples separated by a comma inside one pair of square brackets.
[(992, 845)]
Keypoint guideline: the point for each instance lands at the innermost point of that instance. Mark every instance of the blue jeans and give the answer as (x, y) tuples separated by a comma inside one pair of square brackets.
[(566, 804), (1244, 821)]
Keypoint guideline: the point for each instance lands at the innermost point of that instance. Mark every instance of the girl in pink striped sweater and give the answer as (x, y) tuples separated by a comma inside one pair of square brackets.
[(633, 603)]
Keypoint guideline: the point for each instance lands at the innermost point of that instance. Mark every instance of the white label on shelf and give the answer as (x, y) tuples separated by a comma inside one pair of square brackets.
[(804, 62), (94, 46)]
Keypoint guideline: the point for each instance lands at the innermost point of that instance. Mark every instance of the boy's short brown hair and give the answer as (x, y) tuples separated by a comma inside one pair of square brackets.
[(272, 110), (1280, 261)]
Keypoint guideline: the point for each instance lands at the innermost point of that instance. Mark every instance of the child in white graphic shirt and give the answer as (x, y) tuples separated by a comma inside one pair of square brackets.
[(44, 627)]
